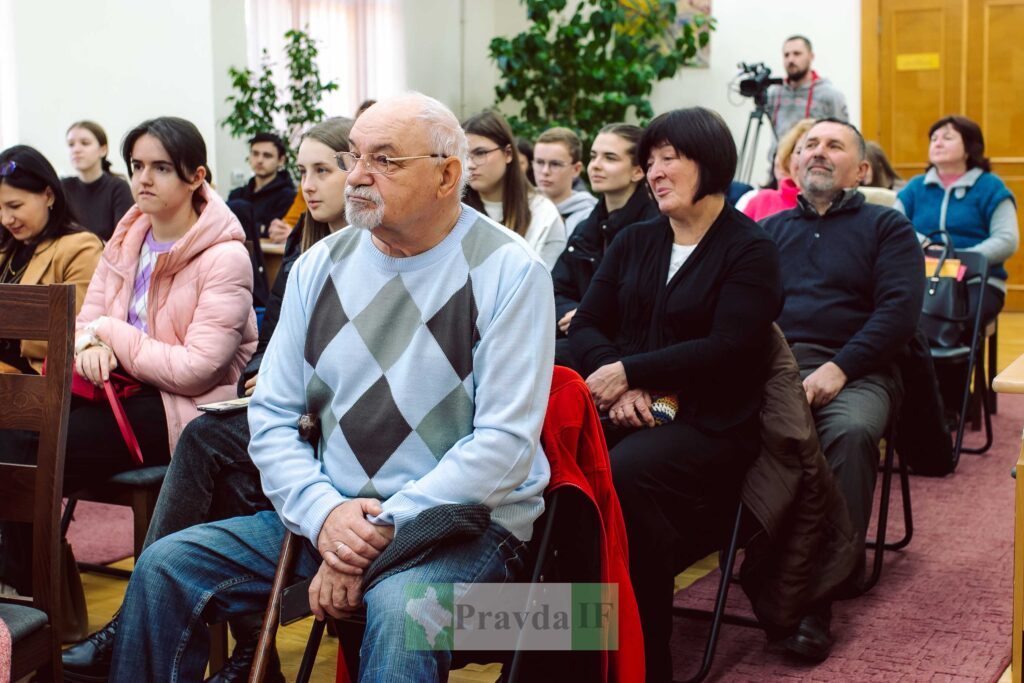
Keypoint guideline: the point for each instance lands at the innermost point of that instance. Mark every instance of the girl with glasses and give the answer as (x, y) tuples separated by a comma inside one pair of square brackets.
[(98, 196), (498, 187)]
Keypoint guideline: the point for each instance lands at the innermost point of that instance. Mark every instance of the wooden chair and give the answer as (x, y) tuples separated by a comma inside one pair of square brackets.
[(32, 493)]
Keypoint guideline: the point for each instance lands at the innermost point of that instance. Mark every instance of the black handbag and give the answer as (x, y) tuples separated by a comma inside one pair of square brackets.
[(944, 311)]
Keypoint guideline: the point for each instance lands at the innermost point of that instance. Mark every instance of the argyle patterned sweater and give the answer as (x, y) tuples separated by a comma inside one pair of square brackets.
[(430, 374)]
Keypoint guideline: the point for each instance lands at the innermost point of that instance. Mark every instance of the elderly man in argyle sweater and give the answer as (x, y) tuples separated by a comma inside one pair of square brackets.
[(422, 336)]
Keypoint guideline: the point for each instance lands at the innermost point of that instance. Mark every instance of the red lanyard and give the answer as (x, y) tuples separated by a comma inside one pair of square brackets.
[(810, 99)]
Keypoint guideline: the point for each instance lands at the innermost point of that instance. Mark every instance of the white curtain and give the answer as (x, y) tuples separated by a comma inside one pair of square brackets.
[(361, 45), (8, 92)]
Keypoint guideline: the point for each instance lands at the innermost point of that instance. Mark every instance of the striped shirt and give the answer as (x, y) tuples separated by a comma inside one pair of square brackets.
[(151, 250)]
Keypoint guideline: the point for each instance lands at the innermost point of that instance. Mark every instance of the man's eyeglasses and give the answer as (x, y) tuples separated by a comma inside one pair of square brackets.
[(479, 156), (553, 165), (377, 163)]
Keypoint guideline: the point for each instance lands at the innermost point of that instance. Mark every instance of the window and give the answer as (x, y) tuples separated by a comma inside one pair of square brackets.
[(361, 44)]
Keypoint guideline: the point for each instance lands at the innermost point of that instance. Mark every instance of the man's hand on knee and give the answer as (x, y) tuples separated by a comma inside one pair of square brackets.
[(334, 593), (824, 384), (348, 542)]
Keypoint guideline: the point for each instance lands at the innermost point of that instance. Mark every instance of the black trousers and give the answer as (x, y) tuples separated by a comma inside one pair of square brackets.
[(678, 487), (210, 477), (95, 451)]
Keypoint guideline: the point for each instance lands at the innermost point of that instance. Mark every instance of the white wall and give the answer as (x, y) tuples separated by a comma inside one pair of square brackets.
[(446, 48), (753, 31), (8, 113), (119, 62), (227, 21), (457, 70)]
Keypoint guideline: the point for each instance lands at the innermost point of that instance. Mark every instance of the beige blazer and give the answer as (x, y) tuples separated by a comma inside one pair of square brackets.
[(69, 259)]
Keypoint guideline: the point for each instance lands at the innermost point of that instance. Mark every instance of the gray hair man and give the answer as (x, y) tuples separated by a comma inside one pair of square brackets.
[(423, 338), (853, 279)]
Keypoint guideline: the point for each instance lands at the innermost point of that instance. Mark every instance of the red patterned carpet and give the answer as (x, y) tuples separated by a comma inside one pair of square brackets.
[(942, 609), (101, 533)]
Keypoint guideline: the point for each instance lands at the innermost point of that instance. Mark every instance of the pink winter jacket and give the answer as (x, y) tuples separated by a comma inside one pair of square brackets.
[(202, 328)]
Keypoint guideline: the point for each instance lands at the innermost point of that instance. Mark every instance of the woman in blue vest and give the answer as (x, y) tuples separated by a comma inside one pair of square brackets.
[(959, 193)]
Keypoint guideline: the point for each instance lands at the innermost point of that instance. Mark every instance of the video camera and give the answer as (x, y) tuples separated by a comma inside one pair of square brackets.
[(759, 78)]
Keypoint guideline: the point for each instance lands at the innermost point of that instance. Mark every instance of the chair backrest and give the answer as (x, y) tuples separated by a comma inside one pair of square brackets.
[(976, 264), (878, 195), (32, 493)]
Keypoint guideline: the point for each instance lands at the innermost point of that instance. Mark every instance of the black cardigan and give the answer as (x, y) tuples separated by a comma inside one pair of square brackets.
[(704, 335)]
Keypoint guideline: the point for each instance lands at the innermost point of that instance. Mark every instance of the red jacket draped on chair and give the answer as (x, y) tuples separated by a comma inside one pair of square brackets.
[(574, 443)]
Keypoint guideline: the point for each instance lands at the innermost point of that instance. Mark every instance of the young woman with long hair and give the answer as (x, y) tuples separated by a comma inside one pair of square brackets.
[(617, 176), (498, 187)]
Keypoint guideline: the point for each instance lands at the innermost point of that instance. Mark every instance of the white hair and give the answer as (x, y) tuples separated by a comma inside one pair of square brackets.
[(444, 131)]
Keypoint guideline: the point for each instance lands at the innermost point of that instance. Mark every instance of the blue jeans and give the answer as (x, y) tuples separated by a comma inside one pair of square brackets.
[(216, 571)]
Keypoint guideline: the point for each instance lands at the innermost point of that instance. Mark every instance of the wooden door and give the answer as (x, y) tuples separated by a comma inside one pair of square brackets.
[(924, 59)]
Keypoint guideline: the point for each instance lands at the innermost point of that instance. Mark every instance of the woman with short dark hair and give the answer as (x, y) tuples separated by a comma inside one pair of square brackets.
[(681, 307)]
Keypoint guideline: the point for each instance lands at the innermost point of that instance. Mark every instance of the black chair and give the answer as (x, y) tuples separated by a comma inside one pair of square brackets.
[(718, 615), (967, 355), (727, 558), (889, 460), (988, 364), (137, 489), (32, 493)]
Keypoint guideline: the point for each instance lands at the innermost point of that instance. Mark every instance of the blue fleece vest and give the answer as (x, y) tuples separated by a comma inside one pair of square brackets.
[(968, 213)]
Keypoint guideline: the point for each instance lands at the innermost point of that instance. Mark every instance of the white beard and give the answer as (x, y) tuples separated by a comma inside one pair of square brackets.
[(360, 217)]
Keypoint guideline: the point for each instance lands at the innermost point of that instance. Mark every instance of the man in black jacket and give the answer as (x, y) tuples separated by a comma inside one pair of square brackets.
[(270, 192), (853, 277), (266, 197)]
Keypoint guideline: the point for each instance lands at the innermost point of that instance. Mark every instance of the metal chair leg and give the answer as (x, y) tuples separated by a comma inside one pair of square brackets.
[(982, 392), (316, 634), (718, 616), (992, 365), (883, 516)]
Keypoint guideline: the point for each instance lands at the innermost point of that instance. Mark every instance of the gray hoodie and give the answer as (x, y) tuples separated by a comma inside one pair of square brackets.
[(788, 105), (574, 209)]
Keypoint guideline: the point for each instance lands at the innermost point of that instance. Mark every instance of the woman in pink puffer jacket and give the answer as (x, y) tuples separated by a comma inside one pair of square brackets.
[(170, 304)]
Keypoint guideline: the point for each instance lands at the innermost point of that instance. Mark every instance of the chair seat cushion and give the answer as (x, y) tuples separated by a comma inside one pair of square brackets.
[(21, 620), (144, 476)]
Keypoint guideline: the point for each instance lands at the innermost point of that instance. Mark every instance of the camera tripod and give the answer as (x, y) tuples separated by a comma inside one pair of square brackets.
[(745, 165)]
